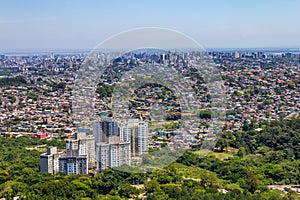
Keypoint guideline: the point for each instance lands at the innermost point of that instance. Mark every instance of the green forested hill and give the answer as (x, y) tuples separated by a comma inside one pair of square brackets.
[(256, 159)]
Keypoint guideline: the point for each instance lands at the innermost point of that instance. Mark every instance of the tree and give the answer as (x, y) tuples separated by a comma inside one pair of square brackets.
[(241, 152), (101, 91), (251, 179), (222, 143), (152, 186), (128, 191), (205, 114)]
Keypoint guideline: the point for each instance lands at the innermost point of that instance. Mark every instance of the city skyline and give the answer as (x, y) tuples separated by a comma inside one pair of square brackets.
[(213, 24), (158, 99)]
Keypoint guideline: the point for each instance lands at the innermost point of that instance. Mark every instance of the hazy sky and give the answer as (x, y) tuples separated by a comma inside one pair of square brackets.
[(82, 24)]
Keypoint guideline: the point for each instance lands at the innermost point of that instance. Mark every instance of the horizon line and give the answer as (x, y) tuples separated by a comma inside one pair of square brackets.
[(84, 50)]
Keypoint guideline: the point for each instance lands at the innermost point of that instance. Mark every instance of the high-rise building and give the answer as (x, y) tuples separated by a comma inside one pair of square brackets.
[(288, 55), (142, 138), (49, 162), (82, 145), (127, 128), (105, 128), (72, 148), (236, 54), (89, 142), (73, 165), (136, 132), (113, 153)]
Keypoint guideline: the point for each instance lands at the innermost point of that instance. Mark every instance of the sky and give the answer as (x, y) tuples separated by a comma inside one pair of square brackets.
[(82, 24)]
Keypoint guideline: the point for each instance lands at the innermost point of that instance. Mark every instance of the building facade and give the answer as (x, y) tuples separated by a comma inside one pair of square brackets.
[(105, 128), (114, 153), (73, 165), (82, 145), (49, 161), (136, 132)]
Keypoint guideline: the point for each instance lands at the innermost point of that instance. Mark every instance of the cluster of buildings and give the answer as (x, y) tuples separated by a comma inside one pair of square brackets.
[(44, 102), (78, 156), (168, 98), (120, 143), (112, 144), (30, 109), (259, 86)]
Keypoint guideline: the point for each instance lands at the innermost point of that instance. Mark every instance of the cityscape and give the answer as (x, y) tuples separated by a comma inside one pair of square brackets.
[(120, 100)]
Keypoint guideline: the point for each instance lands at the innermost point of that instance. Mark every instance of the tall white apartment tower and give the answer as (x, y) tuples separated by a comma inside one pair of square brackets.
[(142, 138), (136, 132), (113, 153)]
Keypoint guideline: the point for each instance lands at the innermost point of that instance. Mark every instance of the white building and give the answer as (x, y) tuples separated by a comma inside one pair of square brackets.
[(49, 161), (113, 153), (236, 54), (82, 145), (136, 132), (142, 138)]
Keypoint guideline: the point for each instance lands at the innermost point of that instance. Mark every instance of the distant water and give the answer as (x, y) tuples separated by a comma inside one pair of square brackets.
[(39, 52)]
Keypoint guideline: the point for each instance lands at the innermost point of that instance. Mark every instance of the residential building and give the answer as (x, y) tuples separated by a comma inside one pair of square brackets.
[(73, 165), (89, 142), (49, 161), (105, 128), (113, 153), (142, 138), (82, 145), (136, 132)]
